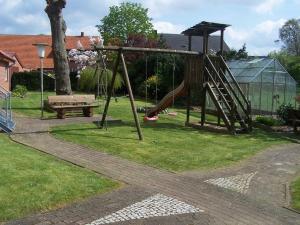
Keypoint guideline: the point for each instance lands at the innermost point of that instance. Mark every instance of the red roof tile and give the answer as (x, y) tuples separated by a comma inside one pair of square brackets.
[(22, 45)]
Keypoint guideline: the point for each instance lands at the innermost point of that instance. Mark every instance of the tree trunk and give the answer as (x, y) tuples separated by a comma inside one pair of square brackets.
[(60, 57)]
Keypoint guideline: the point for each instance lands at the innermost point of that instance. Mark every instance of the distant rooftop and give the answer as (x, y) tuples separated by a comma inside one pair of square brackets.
[(27, 53)]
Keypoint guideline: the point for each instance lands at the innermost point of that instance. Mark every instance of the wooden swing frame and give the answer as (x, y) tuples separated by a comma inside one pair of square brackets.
[(121, 59)]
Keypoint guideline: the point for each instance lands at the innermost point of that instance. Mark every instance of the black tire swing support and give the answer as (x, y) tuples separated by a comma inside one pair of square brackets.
[(126, 79)]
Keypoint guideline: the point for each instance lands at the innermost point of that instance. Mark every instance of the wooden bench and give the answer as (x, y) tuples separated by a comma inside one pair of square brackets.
[(294, 118), (72, 103)]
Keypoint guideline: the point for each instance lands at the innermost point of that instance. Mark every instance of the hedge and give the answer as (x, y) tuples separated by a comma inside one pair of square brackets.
[(32, 81)]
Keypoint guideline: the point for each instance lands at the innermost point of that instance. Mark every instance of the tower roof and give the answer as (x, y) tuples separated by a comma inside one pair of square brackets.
[(200, 28)]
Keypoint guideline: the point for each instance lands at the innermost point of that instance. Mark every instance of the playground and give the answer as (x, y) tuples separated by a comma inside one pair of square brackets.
[(162, 164)]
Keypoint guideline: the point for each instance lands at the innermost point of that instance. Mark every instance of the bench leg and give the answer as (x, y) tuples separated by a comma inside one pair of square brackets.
[(61, 114), (88, 112)]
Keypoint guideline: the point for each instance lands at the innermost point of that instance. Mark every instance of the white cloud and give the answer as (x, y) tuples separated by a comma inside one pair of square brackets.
[(158, 8), (268, 27), (8, 5), (25, 19), (167, 27), (88, 31), (267, 6), (240, 36), (260, 39)]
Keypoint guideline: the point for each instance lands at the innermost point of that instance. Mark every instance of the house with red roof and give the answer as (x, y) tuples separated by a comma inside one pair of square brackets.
[(9, 64), (21, 49)]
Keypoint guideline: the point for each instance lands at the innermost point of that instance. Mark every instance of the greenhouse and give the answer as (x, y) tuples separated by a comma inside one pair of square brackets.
[(265, 82)]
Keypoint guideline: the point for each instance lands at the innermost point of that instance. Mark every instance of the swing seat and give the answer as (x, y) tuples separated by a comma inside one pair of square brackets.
[(150, 119), (172, 113)]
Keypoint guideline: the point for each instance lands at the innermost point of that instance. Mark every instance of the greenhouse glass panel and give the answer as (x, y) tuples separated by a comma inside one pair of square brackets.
[(268, 84)]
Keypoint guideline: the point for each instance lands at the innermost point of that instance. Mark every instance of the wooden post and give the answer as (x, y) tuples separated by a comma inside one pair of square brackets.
[(133, 107), (204, 42), (110, 89), (188, 106), (203, 107), (222, 43), (207, 40), (190, 43), (249, 111), (232, 118)]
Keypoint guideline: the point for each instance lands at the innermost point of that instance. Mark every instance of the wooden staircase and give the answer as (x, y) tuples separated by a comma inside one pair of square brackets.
[(230, 102)]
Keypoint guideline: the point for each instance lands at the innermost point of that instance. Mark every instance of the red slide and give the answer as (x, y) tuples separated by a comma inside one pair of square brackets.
[(167, 101)]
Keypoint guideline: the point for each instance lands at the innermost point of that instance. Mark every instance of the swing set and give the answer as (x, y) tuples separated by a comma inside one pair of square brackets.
[(207, 74), (157, 72)]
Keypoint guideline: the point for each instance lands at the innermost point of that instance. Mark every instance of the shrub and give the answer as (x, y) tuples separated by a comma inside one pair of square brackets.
[(269, 121), (283, 112), (151, 83), (20, 91), (160, 65), (88, 80)]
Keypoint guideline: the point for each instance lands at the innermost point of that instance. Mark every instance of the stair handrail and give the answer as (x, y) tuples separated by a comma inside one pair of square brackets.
[(233, 91), (234, 81), (219, 78)]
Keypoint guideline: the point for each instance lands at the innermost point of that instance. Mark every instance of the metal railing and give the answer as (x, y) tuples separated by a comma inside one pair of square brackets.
[(6, 122)]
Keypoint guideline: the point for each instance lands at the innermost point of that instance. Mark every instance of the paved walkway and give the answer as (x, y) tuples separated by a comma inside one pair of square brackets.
[(237, 195)]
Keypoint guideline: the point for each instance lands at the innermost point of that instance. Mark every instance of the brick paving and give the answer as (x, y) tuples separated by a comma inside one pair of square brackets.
[(221, 206), (239, 183), (155, 206)]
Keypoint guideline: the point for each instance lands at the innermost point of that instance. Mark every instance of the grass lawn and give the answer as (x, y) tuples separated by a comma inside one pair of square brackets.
[(296, 194), (168, 143), (30, 105), (32, 182)]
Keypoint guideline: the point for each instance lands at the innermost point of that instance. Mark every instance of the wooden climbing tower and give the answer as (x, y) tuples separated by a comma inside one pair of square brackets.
[(212, 77), (206, 73)]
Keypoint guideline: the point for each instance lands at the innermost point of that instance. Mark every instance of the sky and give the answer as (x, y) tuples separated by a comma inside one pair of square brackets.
[(254, 22)]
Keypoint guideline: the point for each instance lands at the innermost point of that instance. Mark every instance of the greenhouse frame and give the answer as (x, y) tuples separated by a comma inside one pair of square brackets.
[(265, 83)]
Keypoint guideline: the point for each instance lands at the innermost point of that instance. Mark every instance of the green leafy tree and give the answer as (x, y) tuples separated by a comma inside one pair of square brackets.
[(290, 36), (237, 54), (124, 20), (291, 63)]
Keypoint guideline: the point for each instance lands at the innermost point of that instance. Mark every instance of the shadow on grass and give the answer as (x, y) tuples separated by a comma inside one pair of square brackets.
[(172, 127), (80, 131), (25, 108)]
